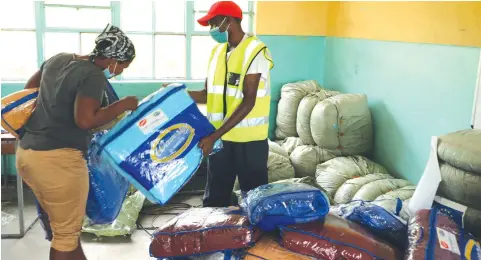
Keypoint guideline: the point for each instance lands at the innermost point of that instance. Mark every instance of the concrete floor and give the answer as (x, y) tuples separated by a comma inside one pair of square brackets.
[(34, 245)]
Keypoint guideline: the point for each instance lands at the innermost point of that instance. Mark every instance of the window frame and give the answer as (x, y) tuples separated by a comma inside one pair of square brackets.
[(115, 6)]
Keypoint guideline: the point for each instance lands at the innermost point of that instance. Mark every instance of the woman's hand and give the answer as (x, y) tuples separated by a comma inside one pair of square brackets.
[(129, 103)]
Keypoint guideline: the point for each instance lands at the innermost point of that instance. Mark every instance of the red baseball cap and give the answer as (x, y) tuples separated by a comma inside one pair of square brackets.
[(224, 8)]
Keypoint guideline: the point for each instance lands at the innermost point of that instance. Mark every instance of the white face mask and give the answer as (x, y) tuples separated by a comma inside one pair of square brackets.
[(107, 73)]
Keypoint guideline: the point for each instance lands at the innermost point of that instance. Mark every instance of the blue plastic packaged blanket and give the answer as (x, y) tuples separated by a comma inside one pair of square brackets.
[(375, 218), (155, 147), (277, 204), (107, 189)]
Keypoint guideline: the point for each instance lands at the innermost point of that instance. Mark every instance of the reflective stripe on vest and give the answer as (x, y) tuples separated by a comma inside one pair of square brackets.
[(255, 125), (248, 122)]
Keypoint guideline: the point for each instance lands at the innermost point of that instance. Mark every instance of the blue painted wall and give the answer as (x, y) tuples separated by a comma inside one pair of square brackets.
[(295, 58), (415, 91)]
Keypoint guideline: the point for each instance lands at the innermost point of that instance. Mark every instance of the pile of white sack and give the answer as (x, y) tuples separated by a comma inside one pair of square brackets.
[(315, 125)]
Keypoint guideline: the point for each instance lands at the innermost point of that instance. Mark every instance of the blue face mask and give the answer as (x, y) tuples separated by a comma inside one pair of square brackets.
[(218, 36), (107, 73)]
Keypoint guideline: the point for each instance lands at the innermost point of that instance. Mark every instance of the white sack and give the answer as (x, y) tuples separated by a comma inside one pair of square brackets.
[(373, 190), (277, 148), (278, 168), (303, 123), (460, 186), (305, 158), (342, 124), (334, 173), (291, 96), (290, 143), (462, 150), (348, 190)]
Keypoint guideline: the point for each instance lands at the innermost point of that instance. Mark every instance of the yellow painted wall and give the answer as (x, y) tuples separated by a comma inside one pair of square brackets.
[(291, 18), (452, 23)]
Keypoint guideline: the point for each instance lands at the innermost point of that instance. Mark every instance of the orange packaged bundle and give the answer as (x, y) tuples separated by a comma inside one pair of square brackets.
[(17, 109), (336, 238), (203, 231), (268, 248)]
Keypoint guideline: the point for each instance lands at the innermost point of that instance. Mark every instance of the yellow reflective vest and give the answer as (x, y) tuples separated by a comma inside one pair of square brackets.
[(225, 83)]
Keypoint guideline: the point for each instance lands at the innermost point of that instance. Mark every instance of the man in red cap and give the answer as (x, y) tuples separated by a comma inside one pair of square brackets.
[(237, 93)]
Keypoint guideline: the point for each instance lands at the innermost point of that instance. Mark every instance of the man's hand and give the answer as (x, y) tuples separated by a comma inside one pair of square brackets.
[(207, 144)]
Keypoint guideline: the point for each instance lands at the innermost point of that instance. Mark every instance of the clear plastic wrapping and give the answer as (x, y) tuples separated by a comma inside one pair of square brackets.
[(307, 180), (155, 147), (437, 234), (217, 256), (268, 248), (336, 238), (124, 224), (17, 109), (203, 231), (7, 218), (271, 205), (378, 220)]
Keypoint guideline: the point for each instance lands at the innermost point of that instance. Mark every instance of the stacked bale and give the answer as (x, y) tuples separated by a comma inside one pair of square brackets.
[(342, 124), (317, 125), (291, 96), (278, 165), (460, 164), (346, 179)]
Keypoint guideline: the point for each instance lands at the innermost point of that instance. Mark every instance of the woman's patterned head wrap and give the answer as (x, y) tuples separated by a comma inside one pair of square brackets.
[(114, 44)]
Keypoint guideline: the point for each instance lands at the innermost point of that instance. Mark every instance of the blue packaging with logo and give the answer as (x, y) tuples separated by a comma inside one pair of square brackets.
[(155, 147)]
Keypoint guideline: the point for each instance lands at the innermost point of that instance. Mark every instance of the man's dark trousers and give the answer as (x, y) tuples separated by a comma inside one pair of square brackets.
[(247, 160)]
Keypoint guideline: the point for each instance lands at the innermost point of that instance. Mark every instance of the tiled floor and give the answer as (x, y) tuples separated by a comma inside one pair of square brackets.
[(34, 246)]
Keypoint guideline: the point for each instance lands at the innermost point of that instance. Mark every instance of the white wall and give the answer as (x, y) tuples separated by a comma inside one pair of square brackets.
[(476, 121)]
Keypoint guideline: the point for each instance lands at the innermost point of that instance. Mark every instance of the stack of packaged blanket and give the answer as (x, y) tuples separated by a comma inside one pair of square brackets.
[(294, 214), (315, 124), (438, 233), (459, 156)]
